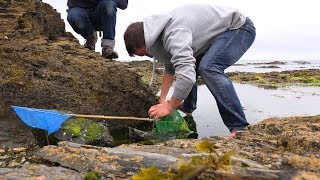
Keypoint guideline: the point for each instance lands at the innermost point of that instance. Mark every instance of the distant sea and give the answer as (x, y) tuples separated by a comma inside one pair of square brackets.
[(276, 65)]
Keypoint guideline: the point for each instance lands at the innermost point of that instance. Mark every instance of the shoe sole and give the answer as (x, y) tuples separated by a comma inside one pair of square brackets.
[(111, 56), (89, 47)]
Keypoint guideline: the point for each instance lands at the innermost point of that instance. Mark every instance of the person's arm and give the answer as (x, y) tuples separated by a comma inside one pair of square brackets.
[(167, 80), (164, 108), (178, 42), (174, 102)]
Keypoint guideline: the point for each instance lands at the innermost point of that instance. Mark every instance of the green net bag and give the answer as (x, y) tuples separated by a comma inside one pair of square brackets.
[(172, 123)]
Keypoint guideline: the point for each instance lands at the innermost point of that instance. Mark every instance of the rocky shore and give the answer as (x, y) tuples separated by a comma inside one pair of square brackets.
[(43, 66), (276, 148)]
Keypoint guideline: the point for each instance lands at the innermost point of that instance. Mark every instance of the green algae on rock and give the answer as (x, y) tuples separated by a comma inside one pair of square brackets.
[(278, 79), (83, 131), (92, 175), (309, 80)]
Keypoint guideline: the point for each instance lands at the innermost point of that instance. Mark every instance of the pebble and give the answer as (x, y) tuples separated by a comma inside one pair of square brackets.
[(275, 156), (2, 151), (40, 178), (19, 150), (183, 145)]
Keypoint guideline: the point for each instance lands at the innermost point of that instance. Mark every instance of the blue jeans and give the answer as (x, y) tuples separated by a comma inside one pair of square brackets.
[(101, 18), (226, 49)]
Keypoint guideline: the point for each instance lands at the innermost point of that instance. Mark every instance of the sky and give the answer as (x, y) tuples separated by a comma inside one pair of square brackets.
[(286, 29)]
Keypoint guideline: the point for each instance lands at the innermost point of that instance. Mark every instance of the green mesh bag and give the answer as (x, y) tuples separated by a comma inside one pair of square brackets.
[(172, 123)]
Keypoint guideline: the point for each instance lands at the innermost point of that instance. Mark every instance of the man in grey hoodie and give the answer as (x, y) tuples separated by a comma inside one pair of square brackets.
[(192, 40)]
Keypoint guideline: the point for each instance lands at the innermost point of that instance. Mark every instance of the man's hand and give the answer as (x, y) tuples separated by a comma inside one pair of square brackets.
[(160, 110), (164, 109)]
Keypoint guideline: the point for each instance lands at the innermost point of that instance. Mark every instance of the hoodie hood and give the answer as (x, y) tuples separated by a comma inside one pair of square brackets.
[(153, 27)]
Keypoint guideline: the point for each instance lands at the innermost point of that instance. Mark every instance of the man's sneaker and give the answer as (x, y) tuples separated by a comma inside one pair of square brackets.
[(234, 133), (180, 108), (91, 43), (109, 53)]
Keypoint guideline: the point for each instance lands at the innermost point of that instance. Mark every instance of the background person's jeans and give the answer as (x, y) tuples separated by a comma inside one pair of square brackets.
[(87, 21), (226, 49), (190, 103)]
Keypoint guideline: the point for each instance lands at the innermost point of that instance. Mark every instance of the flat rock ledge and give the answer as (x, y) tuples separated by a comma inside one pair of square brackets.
[(276, 148), (124, 161)]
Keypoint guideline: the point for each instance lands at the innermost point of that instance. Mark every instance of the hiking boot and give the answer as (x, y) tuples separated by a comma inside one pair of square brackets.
[(91, 43), (180, 108), (109, 53)]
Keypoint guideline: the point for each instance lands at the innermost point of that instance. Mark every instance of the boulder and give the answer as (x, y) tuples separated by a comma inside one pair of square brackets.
[(42, 66)]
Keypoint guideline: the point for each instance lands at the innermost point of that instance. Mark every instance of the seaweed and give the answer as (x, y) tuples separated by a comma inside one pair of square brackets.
[(189, 169)]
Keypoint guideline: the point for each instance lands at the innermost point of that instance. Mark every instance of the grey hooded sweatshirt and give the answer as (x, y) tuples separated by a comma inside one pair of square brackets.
[(177, 37)]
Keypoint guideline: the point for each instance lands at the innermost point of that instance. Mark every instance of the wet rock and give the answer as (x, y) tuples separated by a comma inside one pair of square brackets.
[(117, 161), (13, 157), (247, 163), (129, 158), (34, 171), (260, 155), (136, 135), (275, 79), (77, 130), (254, 173), (272, 62), (83, 131), (302, 62), (271, 66), (303, 163)]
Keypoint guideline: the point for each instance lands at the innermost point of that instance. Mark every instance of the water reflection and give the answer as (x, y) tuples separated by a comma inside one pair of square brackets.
[(258, 104)]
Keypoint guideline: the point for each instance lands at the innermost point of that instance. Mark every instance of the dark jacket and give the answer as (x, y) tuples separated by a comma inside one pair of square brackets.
[(122, 4)]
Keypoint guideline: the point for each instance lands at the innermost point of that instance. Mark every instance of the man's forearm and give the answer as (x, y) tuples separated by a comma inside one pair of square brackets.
[(166, 84), (174, 102), (167, 80)]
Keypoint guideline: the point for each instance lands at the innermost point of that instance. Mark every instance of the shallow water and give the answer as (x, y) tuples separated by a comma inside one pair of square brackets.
[(259, 103)]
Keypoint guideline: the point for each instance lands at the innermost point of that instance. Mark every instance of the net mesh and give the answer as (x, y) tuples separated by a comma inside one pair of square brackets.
[(172, 123)]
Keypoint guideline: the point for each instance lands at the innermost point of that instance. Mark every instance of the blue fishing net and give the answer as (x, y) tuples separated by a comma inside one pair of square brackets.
[(49, 120)]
